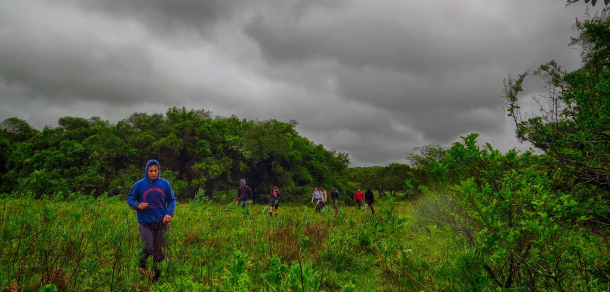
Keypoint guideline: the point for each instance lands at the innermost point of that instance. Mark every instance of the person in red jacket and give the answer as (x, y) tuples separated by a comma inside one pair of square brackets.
[(358, 197)]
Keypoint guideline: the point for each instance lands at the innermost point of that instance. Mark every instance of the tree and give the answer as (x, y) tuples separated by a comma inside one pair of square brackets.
[(517, 217), (16, 130), (393, 177), (573, 127), (426, 156), (72, 123), (593, 2)]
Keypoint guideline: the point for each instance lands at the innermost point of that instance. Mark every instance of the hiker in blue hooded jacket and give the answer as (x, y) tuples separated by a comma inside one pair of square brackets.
[(153, 199), (244, 194)]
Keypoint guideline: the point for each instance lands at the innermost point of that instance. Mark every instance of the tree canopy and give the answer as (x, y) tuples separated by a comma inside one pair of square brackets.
[(196, 151), (573, 124)]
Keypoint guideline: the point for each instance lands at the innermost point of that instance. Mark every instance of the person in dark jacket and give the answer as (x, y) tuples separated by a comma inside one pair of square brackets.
[(244, 194), (154, 201), (274, 200), (381, 192), (334, 195), (369, 200)]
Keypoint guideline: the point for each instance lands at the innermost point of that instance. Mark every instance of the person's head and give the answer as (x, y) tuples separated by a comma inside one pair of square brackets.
[(153, 170), (315, 188), (242, 182), (321, 188), (368, 189), (334, 189), (275, 190), (380, 187), (358, 189)]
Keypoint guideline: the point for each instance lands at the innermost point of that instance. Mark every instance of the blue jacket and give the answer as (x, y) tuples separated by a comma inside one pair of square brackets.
[(157, 193)]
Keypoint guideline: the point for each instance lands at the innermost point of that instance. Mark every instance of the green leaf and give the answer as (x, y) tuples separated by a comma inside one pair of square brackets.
[(48, 288)]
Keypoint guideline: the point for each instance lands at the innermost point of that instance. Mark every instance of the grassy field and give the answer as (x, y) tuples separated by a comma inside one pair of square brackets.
[(83, 243)]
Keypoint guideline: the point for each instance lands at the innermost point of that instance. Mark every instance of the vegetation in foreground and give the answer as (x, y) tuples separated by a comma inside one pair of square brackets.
[(87, 243)]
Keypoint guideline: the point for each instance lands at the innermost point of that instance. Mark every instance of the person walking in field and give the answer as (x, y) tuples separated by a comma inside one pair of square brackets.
[(381, 192), (358, 197), (153, 199), (369, 200), (324, 196), (319, 198), (334, 195), (274, 200), (244, 194)]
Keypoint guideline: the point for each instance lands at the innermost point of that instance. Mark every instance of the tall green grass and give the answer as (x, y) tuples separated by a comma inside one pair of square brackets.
[(83, 244)]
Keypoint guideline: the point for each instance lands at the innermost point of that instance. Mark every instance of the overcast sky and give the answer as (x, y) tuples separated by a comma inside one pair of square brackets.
[(370, 78)]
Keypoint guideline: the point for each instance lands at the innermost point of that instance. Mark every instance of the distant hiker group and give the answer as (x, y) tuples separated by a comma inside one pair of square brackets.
[(319, 198)]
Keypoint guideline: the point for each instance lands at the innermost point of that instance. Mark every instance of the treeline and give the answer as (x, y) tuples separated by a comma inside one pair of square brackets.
[(198, 153), (406, 180)]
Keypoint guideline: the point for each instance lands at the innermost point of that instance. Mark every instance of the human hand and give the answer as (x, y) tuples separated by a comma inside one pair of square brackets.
[(166, 219), (143, 205)]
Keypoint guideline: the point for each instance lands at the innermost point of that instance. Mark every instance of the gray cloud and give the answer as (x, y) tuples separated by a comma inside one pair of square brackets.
[(167, 17), (373, 79)]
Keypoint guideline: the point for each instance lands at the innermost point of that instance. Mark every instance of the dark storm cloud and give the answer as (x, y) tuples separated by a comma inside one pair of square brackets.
[(412, 36), (371, 78), (55, 64), (70, 69), (439, 67), (167, 16), (174, 17)]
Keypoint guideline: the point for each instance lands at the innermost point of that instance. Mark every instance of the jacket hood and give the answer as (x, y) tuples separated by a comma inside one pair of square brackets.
[(146, 168)]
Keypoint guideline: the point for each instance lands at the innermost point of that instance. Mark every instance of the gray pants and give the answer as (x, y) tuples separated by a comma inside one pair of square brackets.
[(319, 205), (153, 237)]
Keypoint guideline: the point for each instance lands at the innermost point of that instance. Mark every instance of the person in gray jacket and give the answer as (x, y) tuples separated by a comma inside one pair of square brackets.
[(318, 196)]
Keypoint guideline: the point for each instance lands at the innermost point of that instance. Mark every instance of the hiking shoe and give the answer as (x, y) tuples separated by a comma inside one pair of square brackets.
[(144, 272), (155, 276)]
